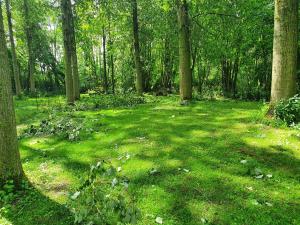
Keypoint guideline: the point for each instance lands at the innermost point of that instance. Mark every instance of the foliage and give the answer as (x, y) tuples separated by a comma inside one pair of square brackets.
[(63, 122), (103, 198), (289, 110), (113, 101), (8, 192), (234, 31), (98, 102), (66, 127)]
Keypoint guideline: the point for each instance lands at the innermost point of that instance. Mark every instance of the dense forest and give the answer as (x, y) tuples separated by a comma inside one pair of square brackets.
[(143, 112), (221, 47)]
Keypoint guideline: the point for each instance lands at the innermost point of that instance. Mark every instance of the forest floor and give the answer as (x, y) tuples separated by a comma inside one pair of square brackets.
[(210, 156)]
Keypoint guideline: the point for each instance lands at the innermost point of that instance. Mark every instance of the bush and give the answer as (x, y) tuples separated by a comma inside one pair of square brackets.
[(289, 110), (103, 199)]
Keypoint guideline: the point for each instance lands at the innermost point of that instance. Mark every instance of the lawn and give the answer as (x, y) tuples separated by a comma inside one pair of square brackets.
[(206, 155)]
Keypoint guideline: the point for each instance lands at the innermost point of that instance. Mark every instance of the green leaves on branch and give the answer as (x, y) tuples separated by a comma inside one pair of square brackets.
[(103, 198), (289, 110)]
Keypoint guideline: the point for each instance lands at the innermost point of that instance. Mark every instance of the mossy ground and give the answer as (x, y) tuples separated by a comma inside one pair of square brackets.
[(208, 138)]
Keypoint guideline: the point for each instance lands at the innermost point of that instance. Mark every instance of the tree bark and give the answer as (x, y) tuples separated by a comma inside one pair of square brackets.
[(75, 73), (112, 73), (168, 66), (31, 57), (185, 71), (284, 73), (67, 35), (105, 80), (137, 54), (100, 66), (10, 162), (16, 70)]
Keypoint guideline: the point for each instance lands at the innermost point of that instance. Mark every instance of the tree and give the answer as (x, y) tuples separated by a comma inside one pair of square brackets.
[(30, 47), (75, 73), (10, 162), (71, 65), (105, 81), (185, 71), (137, 54), (284, 74), (16, 70)]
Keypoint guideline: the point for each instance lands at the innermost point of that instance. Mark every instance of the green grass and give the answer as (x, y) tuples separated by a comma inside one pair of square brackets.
[(208, 138)]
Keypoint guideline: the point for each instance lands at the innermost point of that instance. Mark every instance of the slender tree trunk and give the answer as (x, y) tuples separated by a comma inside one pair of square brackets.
[(67, 35), (194, 59), (75, 73), (10, 162), (31, 57), (167, 72), (235, 72), (284, 75), (100, 66), (16, 70), (112, 72), (105, 81), (185, 71), (137, 54)]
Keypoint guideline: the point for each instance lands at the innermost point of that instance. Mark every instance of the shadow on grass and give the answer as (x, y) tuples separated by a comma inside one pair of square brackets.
[(32, 207), (206, 139)]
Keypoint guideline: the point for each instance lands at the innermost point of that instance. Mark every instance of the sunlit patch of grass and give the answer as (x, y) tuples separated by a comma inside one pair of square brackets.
[(196, 149)]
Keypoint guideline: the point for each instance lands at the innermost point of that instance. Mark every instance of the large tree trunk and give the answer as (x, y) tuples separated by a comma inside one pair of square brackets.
[(67, 35), (284, 79), (10, 163), (16, 70), (137, 54), (185, 71), (31, 57)]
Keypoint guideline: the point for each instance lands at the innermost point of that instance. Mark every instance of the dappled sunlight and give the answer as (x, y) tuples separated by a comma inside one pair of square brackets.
[(195, 150)]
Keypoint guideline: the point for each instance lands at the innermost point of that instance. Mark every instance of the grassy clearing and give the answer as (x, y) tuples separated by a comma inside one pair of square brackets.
[(207, 140)]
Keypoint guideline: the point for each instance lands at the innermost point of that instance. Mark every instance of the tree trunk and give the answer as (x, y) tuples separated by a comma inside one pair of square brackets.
[(168, 67), (75, 73), (16, 70), (67, 35), (137, 54), (284, 79), (31, 57), (105, 81), (112, 73), (10, 162), (185, 71), (100, 66)]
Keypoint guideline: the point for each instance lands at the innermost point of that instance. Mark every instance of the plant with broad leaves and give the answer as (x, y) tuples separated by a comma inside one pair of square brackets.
[(289, 110), (67, 127), (103, 198)]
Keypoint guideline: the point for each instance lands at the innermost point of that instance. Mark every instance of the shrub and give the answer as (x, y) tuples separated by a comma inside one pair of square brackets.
[(289, 110), (103, 198)]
